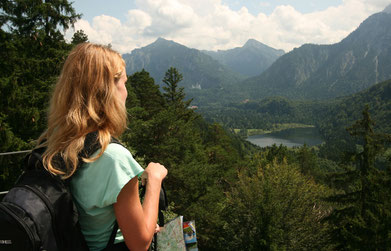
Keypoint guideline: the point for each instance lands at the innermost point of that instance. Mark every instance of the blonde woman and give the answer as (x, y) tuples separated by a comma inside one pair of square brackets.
[(90, 96)]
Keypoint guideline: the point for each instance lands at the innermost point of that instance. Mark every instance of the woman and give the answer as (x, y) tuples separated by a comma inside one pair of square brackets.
[(90, 96)]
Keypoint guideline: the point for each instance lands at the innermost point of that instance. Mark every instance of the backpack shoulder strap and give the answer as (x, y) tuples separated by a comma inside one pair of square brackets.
[(34, 158), (110, 243), (163, 204), (91, 145)]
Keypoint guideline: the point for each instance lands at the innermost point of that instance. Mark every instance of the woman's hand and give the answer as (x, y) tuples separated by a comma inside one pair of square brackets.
[(157, 229), (153, 172)]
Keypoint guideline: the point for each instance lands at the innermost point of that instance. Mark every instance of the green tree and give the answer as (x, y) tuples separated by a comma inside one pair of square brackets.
[(147, 92), (362, 205), (273, 206), (33, 50), (158, 129), (8, 163), (29, 17), (173, 94), (79, 37), (33, 44), (308, 161)]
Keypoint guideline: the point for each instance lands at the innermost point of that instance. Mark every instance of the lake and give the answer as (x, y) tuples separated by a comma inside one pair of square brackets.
[(290, 137)]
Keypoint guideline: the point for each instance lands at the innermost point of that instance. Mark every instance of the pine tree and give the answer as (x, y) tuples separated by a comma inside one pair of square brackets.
[(30, 17), (34, 46), (147, 92), (175, 95), (33, 50), (79, 37), (362, 206)]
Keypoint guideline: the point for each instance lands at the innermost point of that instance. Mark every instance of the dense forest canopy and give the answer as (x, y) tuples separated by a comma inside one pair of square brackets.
[(242, 197)]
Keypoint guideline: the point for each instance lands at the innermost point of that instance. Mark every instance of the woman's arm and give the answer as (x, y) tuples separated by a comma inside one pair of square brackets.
[(138, 222)]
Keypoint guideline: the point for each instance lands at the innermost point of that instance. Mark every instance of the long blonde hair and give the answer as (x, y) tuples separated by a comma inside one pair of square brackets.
[(84, 100)]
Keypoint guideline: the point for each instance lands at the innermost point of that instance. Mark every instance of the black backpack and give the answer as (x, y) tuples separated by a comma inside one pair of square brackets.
[(38, 213)]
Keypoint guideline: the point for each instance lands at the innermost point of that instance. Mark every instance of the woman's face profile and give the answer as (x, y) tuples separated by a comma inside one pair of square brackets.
[(121, 88)]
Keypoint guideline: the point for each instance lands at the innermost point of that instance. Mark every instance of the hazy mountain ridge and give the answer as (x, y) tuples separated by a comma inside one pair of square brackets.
[(199, 70), (327, 71), (250, 60)]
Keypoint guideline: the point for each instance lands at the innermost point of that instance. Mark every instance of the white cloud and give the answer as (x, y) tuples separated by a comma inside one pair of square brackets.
[(209, 24), (138, 20)]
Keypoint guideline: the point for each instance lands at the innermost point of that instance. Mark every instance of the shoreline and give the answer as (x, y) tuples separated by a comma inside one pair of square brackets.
[(275, 128)]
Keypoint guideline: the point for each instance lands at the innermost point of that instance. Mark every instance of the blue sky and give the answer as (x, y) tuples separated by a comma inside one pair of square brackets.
[(91, 9), (221, 24), (267, 7)]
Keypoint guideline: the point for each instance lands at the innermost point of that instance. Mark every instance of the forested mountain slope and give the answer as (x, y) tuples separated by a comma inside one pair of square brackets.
[(346, 110), (265, 113)]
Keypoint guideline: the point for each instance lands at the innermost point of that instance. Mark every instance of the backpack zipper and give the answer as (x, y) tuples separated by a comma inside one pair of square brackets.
[(42, 196), (21, 223)]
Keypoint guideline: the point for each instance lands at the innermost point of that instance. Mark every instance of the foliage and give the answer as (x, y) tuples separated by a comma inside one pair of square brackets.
[(362, 214), (345, 111), (32, 43), (265, 113), (277, 208), (34, 17), (79, 37), (32, 51), (174, 95)]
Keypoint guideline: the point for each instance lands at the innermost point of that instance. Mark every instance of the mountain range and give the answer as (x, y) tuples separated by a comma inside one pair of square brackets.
[(203, 70), (326, 71), (311, 71), (250, 60), (199, 70)]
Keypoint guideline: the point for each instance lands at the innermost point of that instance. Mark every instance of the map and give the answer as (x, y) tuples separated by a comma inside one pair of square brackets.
[(170, 238)]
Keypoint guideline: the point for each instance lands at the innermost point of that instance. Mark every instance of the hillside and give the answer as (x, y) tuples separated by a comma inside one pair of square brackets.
[(265, 113), (249, 60), (346, 110), (327, 71)]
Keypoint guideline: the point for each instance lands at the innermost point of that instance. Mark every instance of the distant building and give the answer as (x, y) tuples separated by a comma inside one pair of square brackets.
[(193, 107), (197, 86)]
